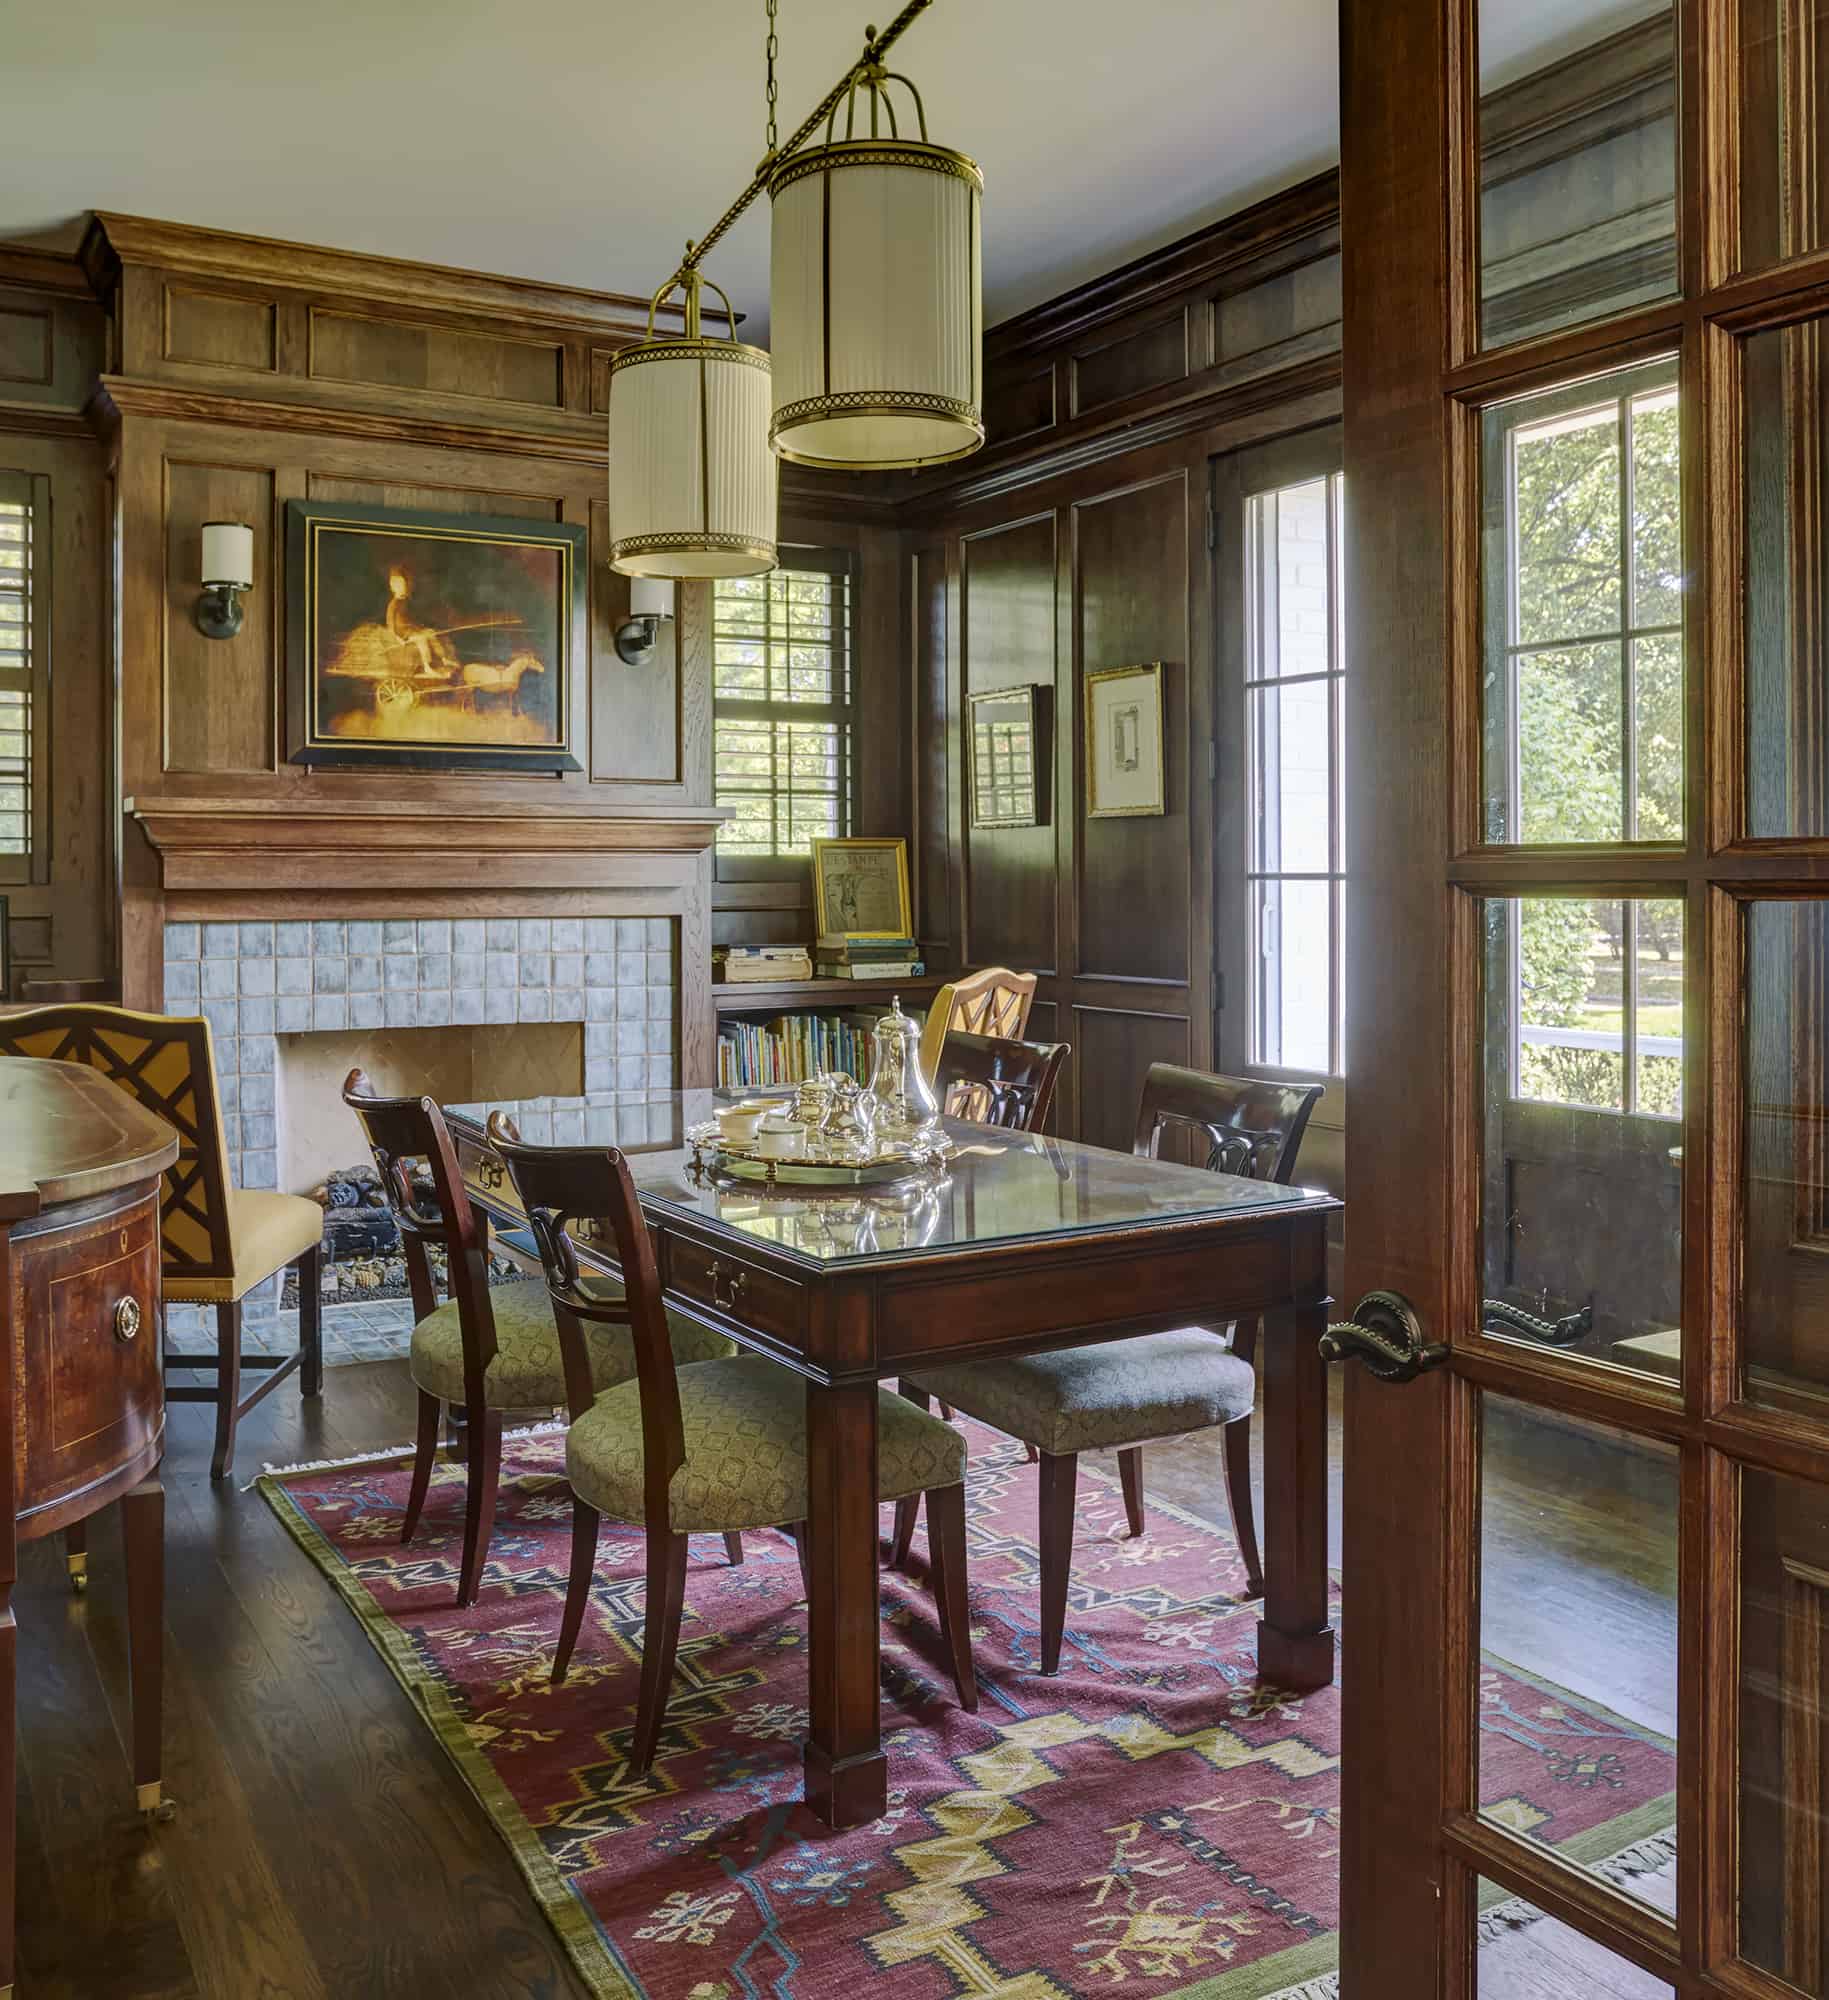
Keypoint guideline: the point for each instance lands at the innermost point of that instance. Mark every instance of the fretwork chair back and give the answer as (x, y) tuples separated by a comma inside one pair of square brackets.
[(216, 1242), (1127, 1393), (995, 1002), (713, 1447), (992, 1080)]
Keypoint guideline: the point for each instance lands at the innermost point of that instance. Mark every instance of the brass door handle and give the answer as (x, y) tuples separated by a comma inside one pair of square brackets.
[(725, 1300), (127, 1319), (1385, 1333)]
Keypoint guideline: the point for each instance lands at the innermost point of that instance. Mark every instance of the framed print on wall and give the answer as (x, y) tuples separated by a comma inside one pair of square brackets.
[(860, 888), (1124, 760), (1009, 752), (434, 642)]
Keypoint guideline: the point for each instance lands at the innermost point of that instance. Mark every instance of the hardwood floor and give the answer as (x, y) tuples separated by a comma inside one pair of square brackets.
[(324, 1847)]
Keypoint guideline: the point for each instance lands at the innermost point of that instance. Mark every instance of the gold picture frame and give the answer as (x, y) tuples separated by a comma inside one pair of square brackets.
[(1126, 771), (860, 888)]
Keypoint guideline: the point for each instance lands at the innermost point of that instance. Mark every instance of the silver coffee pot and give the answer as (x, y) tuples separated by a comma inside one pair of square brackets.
[(906, 1107)]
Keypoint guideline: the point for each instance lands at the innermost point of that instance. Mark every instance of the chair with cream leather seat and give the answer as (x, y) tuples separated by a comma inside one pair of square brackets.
[(488, 1348), (216, 1242)]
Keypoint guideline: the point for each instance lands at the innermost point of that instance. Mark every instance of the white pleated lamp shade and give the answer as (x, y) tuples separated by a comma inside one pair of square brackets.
[(875, 301), (692, 480)]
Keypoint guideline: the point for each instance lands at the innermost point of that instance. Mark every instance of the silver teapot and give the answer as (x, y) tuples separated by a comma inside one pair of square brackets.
[(906, 1107)]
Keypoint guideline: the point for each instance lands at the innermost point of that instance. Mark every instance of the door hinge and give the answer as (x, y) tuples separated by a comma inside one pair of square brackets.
[(1219, 991), (1212, 762), (1212, 525)]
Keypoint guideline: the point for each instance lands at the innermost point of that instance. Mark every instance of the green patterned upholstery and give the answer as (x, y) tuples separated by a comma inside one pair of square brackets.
[(528, 1372), (1115, 1393), (746, 1449)]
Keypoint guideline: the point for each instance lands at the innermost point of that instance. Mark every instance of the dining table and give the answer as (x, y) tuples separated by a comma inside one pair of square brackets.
[(1017, 1242)]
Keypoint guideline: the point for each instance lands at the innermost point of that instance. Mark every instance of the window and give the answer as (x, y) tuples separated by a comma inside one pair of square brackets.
[(1584, 726), (1294, 679), (781, 706), (17, 657)]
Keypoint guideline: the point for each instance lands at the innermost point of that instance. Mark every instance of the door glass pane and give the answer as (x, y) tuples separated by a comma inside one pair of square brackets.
[(1295, 930), (1583, 683), (1787, 568), (1525, 1955), (1786, 1260), (1784, 45), (1583, 1094), (1578, 163), (1577, 1714), (1784, 1653)]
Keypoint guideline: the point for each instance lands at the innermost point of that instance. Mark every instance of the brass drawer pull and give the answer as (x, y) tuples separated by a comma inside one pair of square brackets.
[(127, 1319), (726, 1299)]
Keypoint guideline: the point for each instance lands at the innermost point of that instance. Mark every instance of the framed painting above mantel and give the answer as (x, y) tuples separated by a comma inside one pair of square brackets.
[(432, 642)]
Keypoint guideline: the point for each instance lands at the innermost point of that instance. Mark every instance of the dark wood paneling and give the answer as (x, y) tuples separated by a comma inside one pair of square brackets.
[(434, 499), (400, 354), (1112, 1052), (220, 695), (225, 331), (1007, 615), (935, 858), (1131, 601), (1144, 358), (1020, 405), (635, 711), (25, 345)]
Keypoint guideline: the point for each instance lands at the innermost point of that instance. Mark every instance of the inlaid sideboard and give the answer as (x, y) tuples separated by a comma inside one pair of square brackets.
[(82, 1399)]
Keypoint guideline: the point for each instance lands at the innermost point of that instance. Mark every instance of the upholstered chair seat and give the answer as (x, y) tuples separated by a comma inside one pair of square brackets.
[(746, 1449), (527, 1371), (1114, 1393), (266, 1233)]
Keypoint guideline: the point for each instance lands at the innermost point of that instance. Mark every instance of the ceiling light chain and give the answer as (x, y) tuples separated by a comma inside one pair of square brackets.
[(771, 49)]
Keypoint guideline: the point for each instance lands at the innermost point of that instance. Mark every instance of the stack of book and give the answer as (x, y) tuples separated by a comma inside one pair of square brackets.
[(792, 1047), (759, 964), (869, 958)]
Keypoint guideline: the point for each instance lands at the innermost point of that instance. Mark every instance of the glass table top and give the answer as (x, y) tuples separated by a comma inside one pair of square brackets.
[(1000, 1187)]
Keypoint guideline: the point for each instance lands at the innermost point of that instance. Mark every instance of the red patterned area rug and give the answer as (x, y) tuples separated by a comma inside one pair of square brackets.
[(1152, 1819)]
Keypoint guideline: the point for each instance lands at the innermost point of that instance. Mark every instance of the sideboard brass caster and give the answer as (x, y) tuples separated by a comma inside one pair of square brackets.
[(155, 1808), (78, 1566)]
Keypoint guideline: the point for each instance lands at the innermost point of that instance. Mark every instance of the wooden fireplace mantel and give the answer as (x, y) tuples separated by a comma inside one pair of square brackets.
[(206, 843)]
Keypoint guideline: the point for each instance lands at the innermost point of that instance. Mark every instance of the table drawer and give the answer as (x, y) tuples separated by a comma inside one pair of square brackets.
[(736, 1289)]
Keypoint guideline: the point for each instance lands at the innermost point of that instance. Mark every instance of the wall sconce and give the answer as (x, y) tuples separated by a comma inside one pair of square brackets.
[(228, 570), (650, 600)]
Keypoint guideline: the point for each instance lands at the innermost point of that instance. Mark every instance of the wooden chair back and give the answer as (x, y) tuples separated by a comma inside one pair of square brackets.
[(1252, 1127), (992, 1002), (994, 1081), (165, 1063), (559, 1187), (402, 1132)]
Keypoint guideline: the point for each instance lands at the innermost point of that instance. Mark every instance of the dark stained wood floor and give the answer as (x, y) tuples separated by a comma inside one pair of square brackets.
[(323, 1844)]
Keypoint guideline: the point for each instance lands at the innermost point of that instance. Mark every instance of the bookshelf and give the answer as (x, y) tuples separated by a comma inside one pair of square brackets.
[(783, 1030), (816, 995)]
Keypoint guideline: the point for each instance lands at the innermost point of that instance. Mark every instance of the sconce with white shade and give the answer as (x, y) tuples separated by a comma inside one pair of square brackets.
[(650, 606), (228, 570)]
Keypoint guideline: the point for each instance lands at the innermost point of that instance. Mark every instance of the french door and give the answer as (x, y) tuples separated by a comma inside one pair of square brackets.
[(1586, 533)]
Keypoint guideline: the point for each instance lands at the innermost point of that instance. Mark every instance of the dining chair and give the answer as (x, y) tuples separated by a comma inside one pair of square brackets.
[(716, 1446), (216, 1242), (995, 1001), (1128, 1393), (995, 1080), (487, 1348)]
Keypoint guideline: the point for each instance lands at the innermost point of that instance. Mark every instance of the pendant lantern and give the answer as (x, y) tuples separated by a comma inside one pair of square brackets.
[(692, 481), (877, 320)]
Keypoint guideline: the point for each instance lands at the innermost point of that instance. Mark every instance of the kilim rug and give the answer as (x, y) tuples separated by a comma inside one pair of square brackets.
[(1152, 1820)]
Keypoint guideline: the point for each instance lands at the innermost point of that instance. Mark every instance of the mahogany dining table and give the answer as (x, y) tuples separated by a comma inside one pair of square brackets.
[(1027, 1243)]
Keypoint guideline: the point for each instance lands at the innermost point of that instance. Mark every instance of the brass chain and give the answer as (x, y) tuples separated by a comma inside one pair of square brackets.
[(772, 49)]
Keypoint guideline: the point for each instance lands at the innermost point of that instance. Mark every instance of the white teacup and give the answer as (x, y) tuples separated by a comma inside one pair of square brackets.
[(779, 1138), (739, 1121)]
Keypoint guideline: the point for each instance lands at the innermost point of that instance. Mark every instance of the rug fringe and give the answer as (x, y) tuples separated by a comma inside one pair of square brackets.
[(383, 1455), (1327, 1987)]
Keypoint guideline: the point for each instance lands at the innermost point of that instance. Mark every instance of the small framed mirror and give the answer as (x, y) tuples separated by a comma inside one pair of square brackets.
[(1009, 757)]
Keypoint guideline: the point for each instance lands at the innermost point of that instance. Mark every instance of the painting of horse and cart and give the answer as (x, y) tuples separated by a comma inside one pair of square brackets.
[(433, 641)]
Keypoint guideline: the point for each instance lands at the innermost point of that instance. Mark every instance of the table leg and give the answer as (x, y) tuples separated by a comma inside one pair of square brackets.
[(1295, 1644), (143, 1552), (846, 1773)]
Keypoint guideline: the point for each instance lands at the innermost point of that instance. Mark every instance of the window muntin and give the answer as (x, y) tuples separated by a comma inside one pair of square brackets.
[(782, 707), (1294, 704), (1584, 639), (17, 666)]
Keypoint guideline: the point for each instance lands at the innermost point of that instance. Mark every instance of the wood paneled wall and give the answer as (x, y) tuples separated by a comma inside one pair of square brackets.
[(1077, 541)]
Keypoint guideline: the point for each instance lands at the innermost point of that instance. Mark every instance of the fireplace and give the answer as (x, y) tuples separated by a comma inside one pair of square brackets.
[(593, 1001)]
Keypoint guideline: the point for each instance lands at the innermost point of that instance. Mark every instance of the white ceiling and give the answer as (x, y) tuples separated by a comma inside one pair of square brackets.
[(582, 141)]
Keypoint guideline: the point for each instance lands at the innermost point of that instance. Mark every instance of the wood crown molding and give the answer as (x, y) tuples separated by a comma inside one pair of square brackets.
[(246, 843), (114, 240), (34, 270)]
